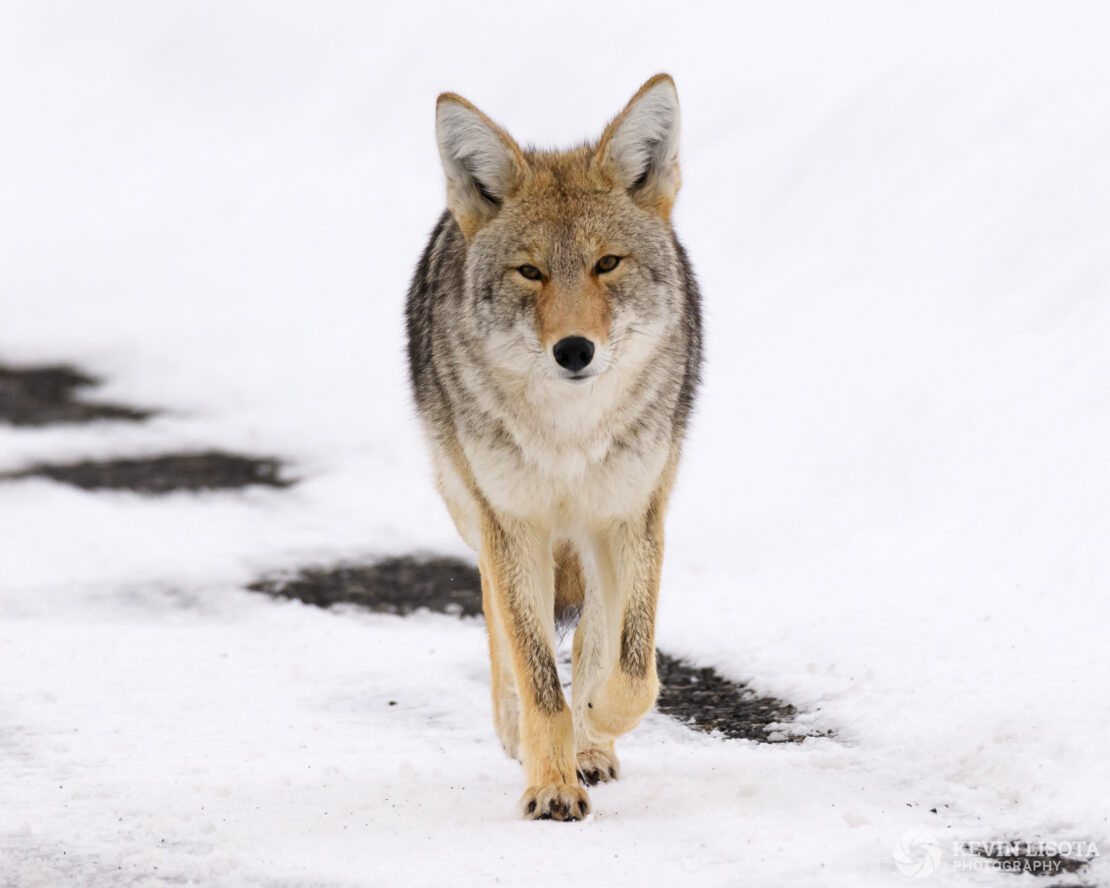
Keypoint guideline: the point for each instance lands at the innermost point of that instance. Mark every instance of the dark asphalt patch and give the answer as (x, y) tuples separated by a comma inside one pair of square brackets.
[(698, 697), (394, 586), (705, 700), (212, 470), (46, 395)]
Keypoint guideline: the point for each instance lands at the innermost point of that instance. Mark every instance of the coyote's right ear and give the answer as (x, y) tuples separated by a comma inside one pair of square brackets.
[(639, 149), (482, 162)]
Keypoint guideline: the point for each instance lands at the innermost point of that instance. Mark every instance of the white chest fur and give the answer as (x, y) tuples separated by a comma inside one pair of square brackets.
[(570, 456)]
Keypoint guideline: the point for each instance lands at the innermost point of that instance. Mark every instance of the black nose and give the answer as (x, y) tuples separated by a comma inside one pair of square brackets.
[(574, 352)]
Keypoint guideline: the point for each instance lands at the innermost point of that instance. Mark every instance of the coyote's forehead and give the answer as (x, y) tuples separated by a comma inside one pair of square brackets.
[(566, 212), (564, 239), (566, 179), (570, 171)]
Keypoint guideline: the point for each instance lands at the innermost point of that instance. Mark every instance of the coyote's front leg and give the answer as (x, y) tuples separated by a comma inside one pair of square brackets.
[(629, 556), (597, 759), (517, 557)]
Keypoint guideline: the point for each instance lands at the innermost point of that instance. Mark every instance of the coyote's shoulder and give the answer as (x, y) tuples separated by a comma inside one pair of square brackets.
[(554, 345)]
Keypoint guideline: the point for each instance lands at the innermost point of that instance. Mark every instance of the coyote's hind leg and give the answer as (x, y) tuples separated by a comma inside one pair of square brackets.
[(506, 699)]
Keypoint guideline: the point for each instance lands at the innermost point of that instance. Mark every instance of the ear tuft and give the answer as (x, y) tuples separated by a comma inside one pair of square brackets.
[(639, 149), (482, 162)]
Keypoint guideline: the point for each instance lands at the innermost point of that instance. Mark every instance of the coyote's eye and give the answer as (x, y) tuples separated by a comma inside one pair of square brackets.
[(530, 272), (607, 263)]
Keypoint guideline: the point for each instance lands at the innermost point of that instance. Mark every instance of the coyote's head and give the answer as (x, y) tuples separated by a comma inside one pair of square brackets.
[(571, 265)]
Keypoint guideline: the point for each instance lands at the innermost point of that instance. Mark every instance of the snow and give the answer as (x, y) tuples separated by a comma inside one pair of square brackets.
[(893, 506)]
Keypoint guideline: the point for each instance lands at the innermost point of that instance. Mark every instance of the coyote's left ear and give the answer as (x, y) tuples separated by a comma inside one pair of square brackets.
[(639, 149), (482, 162)]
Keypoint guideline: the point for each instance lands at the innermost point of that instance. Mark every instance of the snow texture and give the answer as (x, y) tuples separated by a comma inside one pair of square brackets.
[(893, 510)]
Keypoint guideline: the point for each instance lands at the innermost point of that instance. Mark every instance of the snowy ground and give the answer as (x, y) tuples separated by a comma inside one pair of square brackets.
[(893, 511)]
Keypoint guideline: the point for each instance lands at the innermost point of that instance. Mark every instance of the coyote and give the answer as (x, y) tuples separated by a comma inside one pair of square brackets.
[(554, 345)]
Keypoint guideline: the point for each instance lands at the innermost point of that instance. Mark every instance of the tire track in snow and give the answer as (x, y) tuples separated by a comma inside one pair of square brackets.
[(210, 470)]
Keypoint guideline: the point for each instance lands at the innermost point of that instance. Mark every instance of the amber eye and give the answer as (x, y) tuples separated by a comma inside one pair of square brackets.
[(530, 272), (607, 263)]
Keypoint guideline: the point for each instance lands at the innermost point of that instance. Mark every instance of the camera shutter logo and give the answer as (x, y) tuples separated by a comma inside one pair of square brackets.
[(917, 853)]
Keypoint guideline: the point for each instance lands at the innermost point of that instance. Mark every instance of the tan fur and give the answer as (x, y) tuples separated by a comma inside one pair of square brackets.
[(578, 309), (546, 727), (503, 690), (570, 583)]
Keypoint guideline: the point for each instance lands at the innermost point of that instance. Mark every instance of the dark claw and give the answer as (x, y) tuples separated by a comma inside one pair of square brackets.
[(581, 777), (552, 807), (613, 773), (532, 806), (582, 808)]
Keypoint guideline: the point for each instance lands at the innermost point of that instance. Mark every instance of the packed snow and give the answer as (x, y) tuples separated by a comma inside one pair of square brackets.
[(893, 512)]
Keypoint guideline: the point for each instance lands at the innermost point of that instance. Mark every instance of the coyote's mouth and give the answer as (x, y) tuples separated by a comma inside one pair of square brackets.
[(575, 378)]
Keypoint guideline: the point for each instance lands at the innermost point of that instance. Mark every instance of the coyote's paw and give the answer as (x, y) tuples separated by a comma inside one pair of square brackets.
[(597, 765), (556, 801)]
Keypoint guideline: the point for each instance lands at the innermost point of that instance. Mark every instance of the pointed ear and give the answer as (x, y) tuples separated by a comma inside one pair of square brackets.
[(482, 162), (639, 149)]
